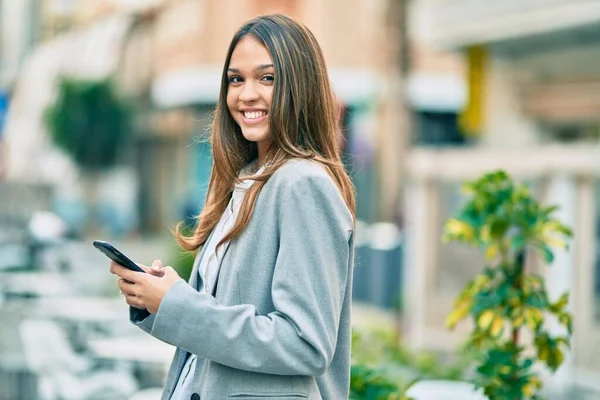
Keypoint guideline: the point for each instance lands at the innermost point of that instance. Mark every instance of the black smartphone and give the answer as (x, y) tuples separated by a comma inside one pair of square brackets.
[(111, 252)]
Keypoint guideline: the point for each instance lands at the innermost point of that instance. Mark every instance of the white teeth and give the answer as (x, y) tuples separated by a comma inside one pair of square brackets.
[(254, 114)]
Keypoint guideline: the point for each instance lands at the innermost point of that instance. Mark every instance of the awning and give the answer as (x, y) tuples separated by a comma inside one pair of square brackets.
[(439, 92)]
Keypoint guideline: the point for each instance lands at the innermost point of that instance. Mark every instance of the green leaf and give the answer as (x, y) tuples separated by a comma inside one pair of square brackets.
[(565, 341), (527, 363), (536, 300), (550, 210), (566, 320), (547, 254), (560, 303), (564, 230), (498, 227)]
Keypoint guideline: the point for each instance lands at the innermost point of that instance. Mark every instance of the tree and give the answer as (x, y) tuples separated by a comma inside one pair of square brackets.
[(90, 123), (504, 220)]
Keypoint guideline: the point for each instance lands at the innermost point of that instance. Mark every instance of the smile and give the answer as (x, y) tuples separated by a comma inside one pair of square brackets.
[(253, 117), (254, 114)]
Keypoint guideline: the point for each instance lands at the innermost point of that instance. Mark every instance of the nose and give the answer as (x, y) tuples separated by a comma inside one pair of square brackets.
[(249, 92)]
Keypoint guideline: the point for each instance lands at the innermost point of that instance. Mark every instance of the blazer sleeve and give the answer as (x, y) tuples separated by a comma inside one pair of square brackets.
[(308, 288), (141, 318)]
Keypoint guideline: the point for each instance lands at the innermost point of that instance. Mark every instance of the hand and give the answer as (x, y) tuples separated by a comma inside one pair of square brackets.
[(157, 268), (145, 291)]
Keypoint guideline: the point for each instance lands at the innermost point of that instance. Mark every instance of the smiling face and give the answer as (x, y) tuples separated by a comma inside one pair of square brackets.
[(250, 89)]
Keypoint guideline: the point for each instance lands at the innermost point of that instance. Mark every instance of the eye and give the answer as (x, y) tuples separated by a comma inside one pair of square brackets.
[(268, 78), (235, 79)]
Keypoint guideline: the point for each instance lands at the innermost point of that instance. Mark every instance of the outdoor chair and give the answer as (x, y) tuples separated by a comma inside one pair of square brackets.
[(444, 390), (148, 394), (64, 374)]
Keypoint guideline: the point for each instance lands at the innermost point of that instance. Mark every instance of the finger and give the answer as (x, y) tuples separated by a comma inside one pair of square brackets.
[(127, 274), (158, 269), (157, 272), (169, 270), (116, 268), (154, 271), (134, 301), (127, 288), (145, 268), (113, 267)]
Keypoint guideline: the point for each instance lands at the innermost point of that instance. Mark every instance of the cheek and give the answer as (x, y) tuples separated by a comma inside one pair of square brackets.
[(231, 102), (268, 94)]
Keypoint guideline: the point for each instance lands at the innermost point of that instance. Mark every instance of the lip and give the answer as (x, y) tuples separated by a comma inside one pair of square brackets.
[(248, 121)]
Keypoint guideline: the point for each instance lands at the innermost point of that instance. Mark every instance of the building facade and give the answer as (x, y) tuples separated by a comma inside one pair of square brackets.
[(533, 110), (170, 59), (189, 59)]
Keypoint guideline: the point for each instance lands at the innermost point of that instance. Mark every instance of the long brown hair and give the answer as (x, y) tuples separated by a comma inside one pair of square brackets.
[(303, 122)]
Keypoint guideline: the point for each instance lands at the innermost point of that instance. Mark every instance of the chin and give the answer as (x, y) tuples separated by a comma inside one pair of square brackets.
[(255, 135)]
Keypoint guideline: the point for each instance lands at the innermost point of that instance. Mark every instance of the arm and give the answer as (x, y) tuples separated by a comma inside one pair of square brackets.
[(141, 318), (309, 283)]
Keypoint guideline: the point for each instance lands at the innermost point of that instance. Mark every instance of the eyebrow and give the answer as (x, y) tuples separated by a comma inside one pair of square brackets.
[(258, 68)]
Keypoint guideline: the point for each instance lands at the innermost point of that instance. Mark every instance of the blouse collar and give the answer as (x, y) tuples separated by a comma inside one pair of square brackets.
[(247, 171)]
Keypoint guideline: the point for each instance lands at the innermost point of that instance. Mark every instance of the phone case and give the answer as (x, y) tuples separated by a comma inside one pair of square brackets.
[(111, 252)]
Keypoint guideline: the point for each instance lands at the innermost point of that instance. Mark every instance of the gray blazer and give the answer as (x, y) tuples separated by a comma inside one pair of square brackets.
[(278, 325)]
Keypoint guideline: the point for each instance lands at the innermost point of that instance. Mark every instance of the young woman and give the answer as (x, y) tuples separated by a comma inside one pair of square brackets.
[(266, 313)]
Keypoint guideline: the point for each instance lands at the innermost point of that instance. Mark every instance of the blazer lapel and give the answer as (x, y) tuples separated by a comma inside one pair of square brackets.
[(195, 276), (213, 292)]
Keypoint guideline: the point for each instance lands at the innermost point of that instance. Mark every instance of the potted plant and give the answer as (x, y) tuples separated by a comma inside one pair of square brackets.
[(509, 225)]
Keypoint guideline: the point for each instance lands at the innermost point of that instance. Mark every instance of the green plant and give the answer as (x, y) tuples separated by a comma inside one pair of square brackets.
[(369, 384), (182, 261), (504, 220), (384, 369), (89, 122)]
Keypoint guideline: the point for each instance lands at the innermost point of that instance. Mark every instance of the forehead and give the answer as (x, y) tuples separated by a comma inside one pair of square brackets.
[(249, 52)]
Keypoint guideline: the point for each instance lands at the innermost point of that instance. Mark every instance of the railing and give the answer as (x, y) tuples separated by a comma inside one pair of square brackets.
[(561, 175)]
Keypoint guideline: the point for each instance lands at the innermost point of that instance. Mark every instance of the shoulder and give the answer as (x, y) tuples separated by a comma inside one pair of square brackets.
[(300, 171), (307, 184)]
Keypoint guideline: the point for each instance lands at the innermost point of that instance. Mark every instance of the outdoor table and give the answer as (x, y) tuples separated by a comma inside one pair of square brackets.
[(148, 357), (91, 310), (138, 349), (33, 284)]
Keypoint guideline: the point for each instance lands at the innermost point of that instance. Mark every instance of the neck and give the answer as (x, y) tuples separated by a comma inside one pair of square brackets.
[(263, 149)]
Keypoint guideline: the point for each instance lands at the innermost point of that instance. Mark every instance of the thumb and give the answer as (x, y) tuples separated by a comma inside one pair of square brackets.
[(169, 271), (157, 268)]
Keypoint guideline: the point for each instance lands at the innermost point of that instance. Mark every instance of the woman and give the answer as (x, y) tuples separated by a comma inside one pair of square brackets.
[(266, 313)]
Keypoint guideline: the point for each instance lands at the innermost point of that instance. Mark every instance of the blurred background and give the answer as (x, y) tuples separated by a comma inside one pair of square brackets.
[(105, 109)]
